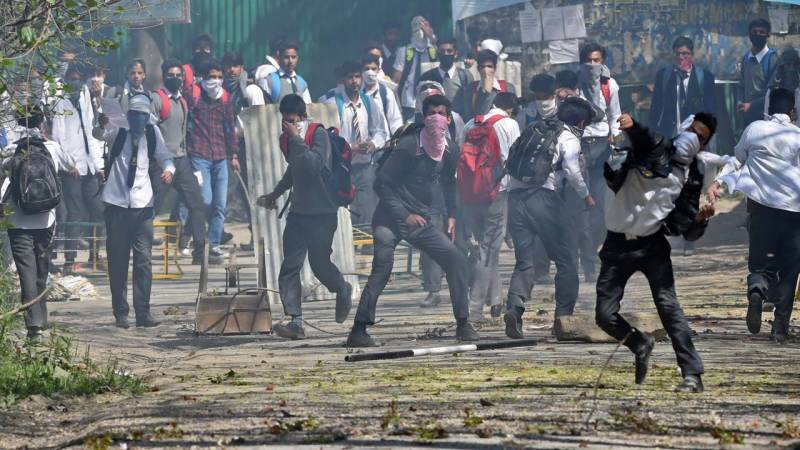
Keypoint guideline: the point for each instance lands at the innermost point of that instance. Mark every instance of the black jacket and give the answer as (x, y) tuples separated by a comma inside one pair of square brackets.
[(651, 153), (699, 98), (408, 183)]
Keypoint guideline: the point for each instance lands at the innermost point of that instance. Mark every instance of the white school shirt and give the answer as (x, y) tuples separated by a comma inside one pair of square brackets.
[(372, 127), (393, 116), (567, 155), (641, 204), (61, 160), (408, 98), (266, 84), (264, 70), (769, 151), (140, 195), (69, 135), (507, 132), (610, 126)]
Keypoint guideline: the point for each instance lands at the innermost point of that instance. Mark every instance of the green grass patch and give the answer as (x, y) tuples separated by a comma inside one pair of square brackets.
[(53, 365)]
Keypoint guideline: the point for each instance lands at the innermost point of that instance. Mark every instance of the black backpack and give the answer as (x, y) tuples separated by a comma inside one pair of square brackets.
[(530, 158), (35, 185)]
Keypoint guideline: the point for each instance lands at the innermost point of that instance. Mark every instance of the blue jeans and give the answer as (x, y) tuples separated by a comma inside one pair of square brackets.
[(215, 194)]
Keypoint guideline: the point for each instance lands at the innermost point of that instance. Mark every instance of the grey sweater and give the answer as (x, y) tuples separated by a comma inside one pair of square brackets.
[(174, 127), (310, 195)]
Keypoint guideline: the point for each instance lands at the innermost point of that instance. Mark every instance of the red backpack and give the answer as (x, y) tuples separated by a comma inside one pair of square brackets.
[(338, 177), (480, 166), (166, 104), (196, 91)]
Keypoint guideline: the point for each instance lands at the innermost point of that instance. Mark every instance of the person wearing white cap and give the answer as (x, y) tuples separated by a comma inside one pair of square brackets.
[(128, 198), (408, 63)]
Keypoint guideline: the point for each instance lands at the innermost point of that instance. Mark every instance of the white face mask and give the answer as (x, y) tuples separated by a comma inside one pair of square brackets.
[(213, 88), (546, 108), (302, 127), (370, 77)]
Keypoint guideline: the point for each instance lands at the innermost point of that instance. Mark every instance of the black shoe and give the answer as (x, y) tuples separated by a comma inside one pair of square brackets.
[(513, 319), (779, 338), (768, 306), (157, 242), (496, 311), (465, 332), (344, 302), (690, 384), (225, 238), (754, 304), (509, 242), (433, 299), (291, 330), (147, 321), (643, 358), (545, 279), (34, 334), (122, 322), (359, 337)]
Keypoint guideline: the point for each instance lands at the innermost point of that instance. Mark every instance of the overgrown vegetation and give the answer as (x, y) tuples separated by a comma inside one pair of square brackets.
[(53, 365)]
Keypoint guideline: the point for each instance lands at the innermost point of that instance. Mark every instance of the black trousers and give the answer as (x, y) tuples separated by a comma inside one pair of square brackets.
[(31, 252), (619, 260), (774, 259), (429, 239), (185, 183), (310, 235), (129, 229), (82, 204), (540, 213)]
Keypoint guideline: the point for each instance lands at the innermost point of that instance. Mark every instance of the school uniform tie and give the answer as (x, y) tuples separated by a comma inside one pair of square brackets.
[(355, 125), (291, 81), (682, 76)]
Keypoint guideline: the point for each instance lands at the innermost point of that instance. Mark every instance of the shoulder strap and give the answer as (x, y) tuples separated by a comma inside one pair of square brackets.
[(196, 93), (150, 135), (765, 63), (226, 97), (384, 98), (116, 149), (409, 53), (188, 76), (312, 128), (301, 84), (493, 120), (275, 86), (700, 78), (340, 107), (462, 77), (503, 85), (367, 103), (605, 88), (165, 104), (432, 54)]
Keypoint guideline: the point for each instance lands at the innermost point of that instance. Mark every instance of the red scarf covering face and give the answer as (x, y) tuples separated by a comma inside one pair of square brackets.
[(433, 137)]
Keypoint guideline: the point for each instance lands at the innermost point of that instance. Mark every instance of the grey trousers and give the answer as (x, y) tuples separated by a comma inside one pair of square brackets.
[(581, 240), (31, 252), (312, 236), (596, 151), (366, 200), (533, 213), (432, 273), (82, 205), (129, 229), (429, 239), (487, 224)]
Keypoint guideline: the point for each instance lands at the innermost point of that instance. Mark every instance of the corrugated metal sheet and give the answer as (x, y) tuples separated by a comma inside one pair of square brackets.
[(329, 31)]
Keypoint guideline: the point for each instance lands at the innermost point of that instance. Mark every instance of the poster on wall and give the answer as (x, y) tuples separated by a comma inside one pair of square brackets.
[(145, 13)]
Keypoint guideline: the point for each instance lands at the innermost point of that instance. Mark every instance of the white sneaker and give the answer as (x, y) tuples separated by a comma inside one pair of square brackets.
[(186, 251), (217, 251)]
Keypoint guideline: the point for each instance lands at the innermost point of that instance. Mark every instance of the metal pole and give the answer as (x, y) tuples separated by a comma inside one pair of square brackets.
[(497, 345)]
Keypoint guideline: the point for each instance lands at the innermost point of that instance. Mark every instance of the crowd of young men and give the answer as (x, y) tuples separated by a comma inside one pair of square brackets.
[(451, 164)]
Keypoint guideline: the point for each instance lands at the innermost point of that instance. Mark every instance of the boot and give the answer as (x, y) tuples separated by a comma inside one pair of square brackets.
[(433, 299), (359, 337), (513, 320), (344, 302), (643, 358), (466, 333)]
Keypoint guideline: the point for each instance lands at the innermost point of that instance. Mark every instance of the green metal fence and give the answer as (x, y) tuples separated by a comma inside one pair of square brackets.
[(329, 31)]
